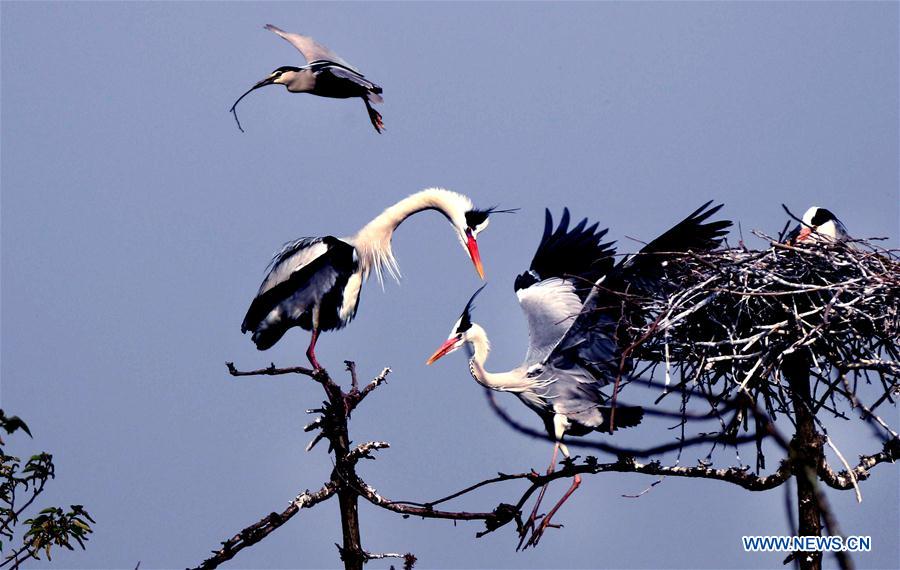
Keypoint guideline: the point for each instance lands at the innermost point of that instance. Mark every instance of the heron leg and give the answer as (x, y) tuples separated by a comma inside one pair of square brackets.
[(545, 523), (374, 116), (311, 351), (532, 519)]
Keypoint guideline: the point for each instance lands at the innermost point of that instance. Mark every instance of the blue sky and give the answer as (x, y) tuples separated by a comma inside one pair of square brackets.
[(137, 221)]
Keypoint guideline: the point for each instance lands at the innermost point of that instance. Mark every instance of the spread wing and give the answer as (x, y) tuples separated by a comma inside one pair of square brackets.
[(590, 342), (646, 269), (310, 48), (598, 335), (550, 307), (551, 292)]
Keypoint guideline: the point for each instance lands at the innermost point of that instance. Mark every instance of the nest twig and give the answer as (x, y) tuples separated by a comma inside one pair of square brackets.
[(732, 316)]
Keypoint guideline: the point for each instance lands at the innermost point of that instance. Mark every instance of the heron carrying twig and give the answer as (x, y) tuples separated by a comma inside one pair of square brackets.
[(325, 75)]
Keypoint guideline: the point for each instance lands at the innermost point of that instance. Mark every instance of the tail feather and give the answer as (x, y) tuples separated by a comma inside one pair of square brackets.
[(266, 338), (626, 417)]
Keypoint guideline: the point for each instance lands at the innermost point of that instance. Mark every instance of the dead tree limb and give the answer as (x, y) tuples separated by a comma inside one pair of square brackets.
[(788, 332), (259, 530), (749, 336)]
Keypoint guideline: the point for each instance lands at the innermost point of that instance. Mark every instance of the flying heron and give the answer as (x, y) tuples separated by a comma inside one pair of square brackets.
[(325, 75)]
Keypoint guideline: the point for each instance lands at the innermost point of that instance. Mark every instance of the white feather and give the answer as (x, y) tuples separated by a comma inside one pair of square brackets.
[(550, 307), (283, 270)]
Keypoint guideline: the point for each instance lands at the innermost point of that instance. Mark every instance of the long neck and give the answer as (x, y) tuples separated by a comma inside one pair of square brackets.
[(503, 381), (373, 241)]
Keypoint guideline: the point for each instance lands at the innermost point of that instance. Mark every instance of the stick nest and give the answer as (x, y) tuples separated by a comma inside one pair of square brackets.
[(727, 319)]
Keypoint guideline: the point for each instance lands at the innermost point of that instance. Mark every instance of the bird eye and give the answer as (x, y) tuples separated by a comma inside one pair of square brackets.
[(476, 229)]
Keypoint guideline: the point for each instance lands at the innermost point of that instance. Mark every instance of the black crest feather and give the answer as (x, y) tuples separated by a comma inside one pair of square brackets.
[(477, 216), (465, 321)]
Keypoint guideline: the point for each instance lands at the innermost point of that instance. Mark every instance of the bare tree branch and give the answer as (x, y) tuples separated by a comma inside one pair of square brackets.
[(614, 449), (844, 480), (752, 336), (259, 530)]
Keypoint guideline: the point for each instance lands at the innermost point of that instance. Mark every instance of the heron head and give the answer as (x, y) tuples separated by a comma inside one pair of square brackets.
[(820, 223), (282, 75), (469, 225), (459, 333), (472, 223)]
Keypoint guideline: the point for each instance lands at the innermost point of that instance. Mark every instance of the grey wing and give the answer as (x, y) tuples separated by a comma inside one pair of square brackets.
[(552, 290), (308, 47), (550, 306), (590, 342)]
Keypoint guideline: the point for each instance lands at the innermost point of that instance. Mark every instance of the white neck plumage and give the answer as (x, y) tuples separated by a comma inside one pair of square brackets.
[(373, 241), (478, 344)]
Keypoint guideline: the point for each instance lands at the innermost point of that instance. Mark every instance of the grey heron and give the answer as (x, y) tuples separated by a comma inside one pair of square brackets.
[(314, 282), (575, 329), (819, 225), (325, 75)]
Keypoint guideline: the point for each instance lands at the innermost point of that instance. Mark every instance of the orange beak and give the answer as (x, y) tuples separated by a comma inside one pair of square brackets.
[(472, 246), (443, 350), (804, 233)]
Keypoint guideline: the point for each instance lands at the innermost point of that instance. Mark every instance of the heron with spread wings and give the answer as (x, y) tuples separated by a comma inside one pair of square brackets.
[(325, 75), (572, 296)]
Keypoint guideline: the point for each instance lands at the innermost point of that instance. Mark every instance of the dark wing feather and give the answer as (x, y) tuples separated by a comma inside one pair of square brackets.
[(577, 253), (693, 233), (626, 416), (792, 235), (598, 336), (299, 289), (343, 73)]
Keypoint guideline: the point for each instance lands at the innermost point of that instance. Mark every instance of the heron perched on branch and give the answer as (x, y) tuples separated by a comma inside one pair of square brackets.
[(314, 282), (325, 75), (571, 296)]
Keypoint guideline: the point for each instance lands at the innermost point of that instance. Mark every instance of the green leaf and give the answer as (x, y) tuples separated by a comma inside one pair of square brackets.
[(81, 525)]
